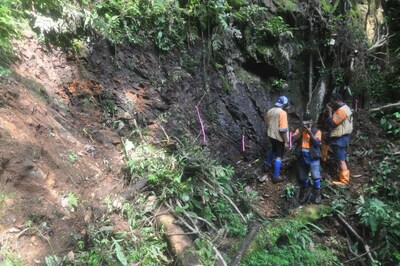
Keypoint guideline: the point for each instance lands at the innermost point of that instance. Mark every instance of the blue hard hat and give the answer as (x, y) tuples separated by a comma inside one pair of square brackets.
[(282, 100)]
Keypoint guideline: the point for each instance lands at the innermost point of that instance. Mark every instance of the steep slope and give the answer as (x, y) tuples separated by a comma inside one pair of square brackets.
[(60, 153), (57, 162)]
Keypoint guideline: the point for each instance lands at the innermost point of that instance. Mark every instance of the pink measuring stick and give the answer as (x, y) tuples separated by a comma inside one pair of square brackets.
[(290, 140), (201, 124), (243, 144)]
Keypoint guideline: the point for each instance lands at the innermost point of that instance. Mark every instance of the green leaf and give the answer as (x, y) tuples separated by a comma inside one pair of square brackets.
[(120, 254), (152, 178)]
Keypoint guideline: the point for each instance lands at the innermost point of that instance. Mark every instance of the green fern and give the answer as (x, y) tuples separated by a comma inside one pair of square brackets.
[(373, 212)]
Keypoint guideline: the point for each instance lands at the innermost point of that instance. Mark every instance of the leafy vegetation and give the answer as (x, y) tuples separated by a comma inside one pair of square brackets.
[(378, 209), (198, 184), (10, 24), (391, 124), (9, 257), (290, 241), (138, 241)]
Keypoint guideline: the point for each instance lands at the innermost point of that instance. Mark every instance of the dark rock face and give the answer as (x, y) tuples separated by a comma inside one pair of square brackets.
[(240, 118), (154, 89)]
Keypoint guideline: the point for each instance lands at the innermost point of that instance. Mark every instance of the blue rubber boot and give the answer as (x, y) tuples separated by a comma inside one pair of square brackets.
[(277, 167), (277, 170), (317, 183)]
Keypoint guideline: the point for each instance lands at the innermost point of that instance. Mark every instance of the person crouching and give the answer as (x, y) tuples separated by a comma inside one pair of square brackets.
[(308, 152)]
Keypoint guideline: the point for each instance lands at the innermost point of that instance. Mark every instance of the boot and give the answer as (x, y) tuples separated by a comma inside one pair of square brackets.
[(304, 195), (324, 152), (278, 179), (317, 196), (344, 177), (277, 168)]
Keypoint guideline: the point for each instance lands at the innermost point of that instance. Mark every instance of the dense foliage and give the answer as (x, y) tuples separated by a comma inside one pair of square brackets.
[(333, 32)]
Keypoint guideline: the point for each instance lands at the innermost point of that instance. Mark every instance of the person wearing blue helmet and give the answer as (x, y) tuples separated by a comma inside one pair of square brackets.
[(277, 130)]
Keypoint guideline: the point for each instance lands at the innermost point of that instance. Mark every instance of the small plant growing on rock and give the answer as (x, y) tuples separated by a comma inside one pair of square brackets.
[(73, 156)]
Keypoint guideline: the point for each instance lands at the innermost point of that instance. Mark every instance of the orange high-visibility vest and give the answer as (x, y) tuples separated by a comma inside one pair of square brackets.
[(305, 143)]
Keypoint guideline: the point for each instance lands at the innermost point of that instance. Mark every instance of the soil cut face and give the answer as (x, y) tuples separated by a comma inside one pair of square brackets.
[(55, 158)]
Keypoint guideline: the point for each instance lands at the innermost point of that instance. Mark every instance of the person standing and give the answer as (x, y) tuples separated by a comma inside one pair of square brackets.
[(277, 130), (308, 155), (340, 121)]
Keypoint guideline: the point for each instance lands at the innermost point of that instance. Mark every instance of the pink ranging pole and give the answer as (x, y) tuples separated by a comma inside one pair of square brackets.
[(201, 124), (243, 144)]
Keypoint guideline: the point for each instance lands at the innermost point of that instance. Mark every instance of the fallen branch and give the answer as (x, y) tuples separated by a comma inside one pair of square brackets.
[(388, 106), (219, 256), (228, 199), (70, 177), (361, 255), (245, 244), (349, 244), (181, 234), (359, 238), (39, 233), (196, 229)]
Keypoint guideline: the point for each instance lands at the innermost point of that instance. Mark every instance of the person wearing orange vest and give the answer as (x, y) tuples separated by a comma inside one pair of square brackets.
[(308, 142), (341, 125), (277, 130)]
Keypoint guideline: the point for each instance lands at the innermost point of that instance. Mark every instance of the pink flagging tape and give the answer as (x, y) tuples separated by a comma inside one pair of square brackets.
[(201, 124), (243, 144)]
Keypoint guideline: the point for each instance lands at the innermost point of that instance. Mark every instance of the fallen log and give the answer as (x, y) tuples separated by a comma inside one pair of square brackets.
[(181, 245), (245, 244)]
